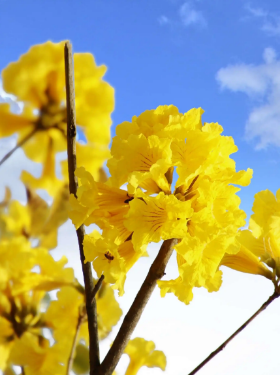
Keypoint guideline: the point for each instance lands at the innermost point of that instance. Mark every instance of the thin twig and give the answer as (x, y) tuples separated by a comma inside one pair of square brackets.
[(224, 344), (73, 185), (74, 343), (22, 370), (131, 319), (18, 145), (97, 286)]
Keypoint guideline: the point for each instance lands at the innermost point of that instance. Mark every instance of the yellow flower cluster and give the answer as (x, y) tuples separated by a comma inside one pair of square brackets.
[(27, 273), (200, 207), (37, 80), (37, 332), (260, 244)]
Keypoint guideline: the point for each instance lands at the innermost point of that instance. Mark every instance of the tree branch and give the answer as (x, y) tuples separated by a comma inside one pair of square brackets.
[(224, 344), (131, 319), (97, 286), (18, 145), (74, 343), (73, 185)]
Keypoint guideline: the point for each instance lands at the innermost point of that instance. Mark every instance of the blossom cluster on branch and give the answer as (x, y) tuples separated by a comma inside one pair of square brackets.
[(38, 331), (178, 182)]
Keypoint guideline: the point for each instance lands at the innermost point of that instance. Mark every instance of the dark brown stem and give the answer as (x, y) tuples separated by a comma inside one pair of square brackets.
[(22, 370), (18, 145), (131, 319), (224, 344), (74, 343), (73, 185), (97, 286)]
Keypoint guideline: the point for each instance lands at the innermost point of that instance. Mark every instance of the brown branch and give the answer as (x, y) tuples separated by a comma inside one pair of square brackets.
[(18, 145), (131, 319), (74, 343), (224, 344), (22, 370), (97, 286), (73, 185)]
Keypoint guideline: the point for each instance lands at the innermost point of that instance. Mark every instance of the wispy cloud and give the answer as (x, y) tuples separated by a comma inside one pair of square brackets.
[(262, 84), (190, 16), (163, 20), (187, 16), (16, 107), (270, 22)]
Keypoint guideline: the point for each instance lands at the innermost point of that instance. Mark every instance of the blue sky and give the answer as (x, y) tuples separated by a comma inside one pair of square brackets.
[(223, 56)]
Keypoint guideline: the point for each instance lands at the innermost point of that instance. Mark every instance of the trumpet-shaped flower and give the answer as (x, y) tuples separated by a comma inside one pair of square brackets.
[(63, 313), (37, 79), (36, 220), (161, 217), (143, 353), (37, 358), (18, 315), (101, 204), (260, 245), (144, 162)]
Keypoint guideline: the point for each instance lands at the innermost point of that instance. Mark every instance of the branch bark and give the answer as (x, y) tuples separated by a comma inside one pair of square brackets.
[(74, 343), (18, 145), (73, 185), (224, 344), (97, 286), (131, 319)]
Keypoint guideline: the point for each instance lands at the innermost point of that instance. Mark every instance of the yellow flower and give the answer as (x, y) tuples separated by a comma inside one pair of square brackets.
[(110, 258), (143, 353), (37, 358), (18, 315), (36, 220), (198, 264), (144, 162), (62, 315), (260, 245), (108, 310), (206, 152), (101, 204), (161, 217), (104, 255), (17, 258), (52, 274), (38, 80), (164, 121), (247, 262)]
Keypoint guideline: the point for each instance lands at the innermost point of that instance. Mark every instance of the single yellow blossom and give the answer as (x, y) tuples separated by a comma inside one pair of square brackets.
[(161, 217), (104, 255), (144, 162), (101, 204), (143, 353), (37, 358), (260, 245), (36, 219), (63, 313)]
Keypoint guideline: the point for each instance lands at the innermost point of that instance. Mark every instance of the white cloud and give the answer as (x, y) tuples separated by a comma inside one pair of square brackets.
[(187, 15), (16, 107), (163, 20), (190, 16), (270, 22), (262, 84)]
